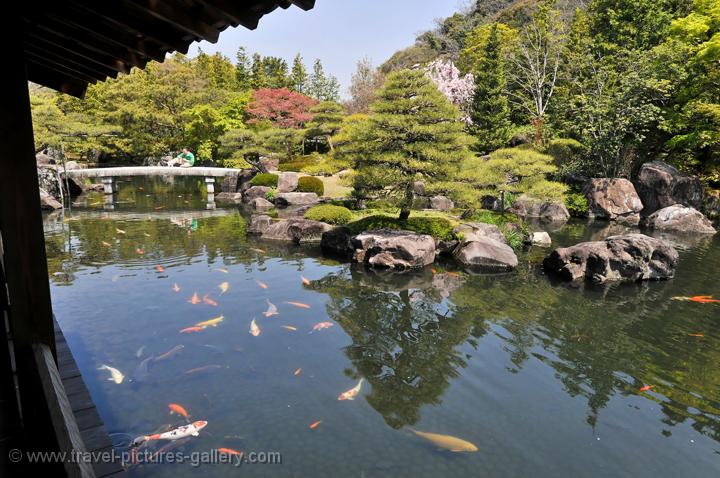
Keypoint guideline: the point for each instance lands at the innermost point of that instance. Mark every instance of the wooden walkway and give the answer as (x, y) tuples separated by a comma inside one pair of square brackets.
[(91, 427)]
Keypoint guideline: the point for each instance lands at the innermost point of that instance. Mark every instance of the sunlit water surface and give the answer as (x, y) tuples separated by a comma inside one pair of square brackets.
[(544, 378)]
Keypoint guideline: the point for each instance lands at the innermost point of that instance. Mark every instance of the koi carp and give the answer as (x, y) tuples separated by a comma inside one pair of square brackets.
[(352, 393)]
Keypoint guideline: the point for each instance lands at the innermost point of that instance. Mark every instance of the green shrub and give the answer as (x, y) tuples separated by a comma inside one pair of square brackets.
[(577, 204), (270, 195), (330, 214), (265, 179), (437, 227), (311, 184)]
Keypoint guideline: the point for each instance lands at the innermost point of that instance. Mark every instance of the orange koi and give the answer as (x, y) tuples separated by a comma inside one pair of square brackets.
[(305, 280), (230, 451), (696, 335), (139, 251), (207, 300), (314, 425), (211, 323), (175, 408), (297, 372), (195, 299), (290, 327), (352, 393), (224, 287), (704, 299), (176, 288), (206, 368), (298, 304), (646, 388), (192, 329), (321, 325), (160, 268), (262, 284)]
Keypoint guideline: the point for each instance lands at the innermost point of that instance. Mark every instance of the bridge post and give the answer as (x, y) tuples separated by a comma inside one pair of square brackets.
[(108, 185), (210, 183)]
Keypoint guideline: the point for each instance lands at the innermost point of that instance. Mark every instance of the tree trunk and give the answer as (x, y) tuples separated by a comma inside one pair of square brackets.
[(404, 214)]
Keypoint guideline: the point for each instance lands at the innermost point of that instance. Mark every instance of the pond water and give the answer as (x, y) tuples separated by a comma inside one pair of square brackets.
[(542, 377)]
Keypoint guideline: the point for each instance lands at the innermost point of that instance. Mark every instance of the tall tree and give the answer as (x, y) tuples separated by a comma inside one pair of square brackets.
[(414, 133), (298, 76), (243, 66), (490, 111), (327, 121), (282, 108), (258, 79), (322, 87), (364, 85), (276, 72)]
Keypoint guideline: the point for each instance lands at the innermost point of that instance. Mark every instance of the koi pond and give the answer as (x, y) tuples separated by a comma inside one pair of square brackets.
[(543, 378)]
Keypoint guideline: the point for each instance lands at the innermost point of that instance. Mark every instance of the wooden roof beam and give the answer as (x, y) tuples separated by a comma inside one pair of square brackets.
[(157, 30), (55, 77), (63, 57), (194, 22)]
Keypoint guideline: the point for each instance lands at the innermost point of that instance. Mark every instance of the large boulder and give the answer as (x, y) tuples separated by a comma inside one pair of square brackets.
[(298, 231), (287, 182), (631, 257), (441, 203), (614, 199), (43, 158), (338, 242), (486, 254), (296, 199), (540, 239), (259, 223), (526, 207), (70, 166), (48, 180), (270, 164), (47, 202), (473, 231), (681, 219), (660, 185), (229, 197), (393, 249), (255, 192), (261, 204), (229, 183)]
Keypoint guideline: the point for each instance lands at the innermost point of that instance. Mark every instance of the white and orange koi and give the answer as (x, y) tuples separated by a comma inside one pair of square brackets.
[(352, 393), (272, 309), (321, 325), (254, 329), (176, 288), (192, 429), (224, 287), (305, 280)]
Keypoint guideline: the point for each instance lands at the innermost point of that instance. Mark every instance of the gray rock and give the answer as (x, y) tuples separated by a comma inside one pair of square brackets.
[(270, 164), (419, 188), (229, 197), (541, 239), (261, 204), (446, 247), (298, 231), (287, 182), (681, 219), (486, 254), (393, 249), (259, 224), (296, 199), (473, 231), (491, 203), (255, 192), (441, 203), (660, 185), (229, 184), (631, 257), (47, 202), (526, 207), (614, 199), (338, 243), (48, 180), (70, 166), (43, 159)]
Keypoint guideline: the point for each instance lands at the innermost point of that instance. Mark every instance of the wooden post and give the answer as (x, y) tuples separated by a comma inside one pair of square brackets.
[(26, 270)]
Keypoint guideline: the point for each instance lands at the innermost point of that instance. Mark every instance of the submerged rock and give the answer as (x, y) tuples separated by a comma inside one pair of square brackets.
[(47, 202), (614, 199), (296, 199), (526, 207), (487, 254), (541, 239), (660, 185), (393, 249), (631, 257), (681, 219), (298, 231), (229, 197)]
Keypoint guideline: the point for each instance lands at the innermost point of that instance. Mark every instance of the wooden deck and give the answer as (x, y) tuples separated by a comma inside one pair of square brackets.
[(151, 171), (92, 429)]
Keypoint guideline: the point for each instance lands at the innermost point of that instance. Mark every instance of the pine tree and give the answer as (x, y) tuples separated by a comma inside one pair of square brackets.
[(276, 72), (298, 76), (322, 87), (242, 69), (414, 133), (326, 122), (490, 111), (257, 73)]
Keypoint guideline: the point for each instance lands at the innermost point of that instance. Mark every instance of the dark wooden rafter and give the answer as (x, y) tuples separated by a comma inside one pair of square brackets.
[(82, 41)]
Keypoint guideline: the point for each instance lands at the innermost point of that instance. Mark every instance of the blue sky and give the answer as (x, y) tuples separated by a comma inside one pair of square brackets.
[(339, 32)]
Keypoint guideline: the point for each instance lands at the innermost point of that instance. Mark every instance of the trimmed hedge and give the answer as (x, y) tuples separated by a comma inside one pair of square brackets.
[(336, 215), (265, 179), (437, 227), (310, 184)]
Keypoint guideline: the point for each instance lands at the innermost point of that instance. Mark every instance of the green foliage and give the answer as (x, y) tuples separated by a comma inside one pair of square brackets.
[(437, 227), (298, 75), (577, 204), (568, 155), (311, 184), (241, 148), (265, 179), (330, 214), (513, 228), (270, 195), (414, 132), (321, 86), (327, 121)]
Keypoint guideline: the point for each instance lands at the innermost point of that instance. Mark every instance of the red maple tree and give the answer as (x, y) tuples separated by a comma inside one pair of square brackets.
[(282, 107)]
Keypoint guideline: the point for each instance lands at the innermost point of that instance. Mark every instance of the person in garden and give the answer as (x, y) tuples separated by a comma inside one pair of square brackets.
[(185, 159)]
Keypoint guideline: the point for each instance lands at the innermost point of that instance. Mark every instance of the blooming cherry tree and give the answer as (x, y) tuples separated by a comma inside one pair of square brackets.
[(457, 88)]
